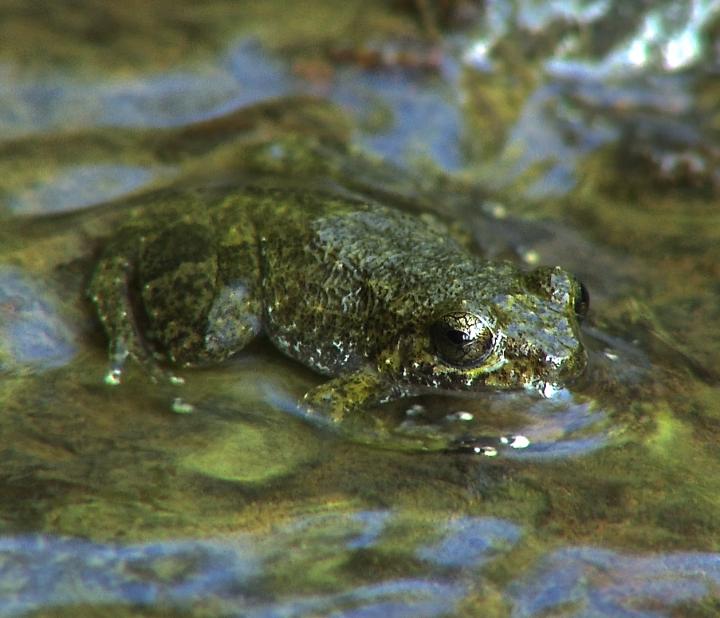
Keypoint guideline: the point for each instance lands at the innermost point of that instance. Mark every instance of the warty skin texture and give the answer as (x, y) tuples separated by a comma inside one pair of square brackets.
[(386, 303)]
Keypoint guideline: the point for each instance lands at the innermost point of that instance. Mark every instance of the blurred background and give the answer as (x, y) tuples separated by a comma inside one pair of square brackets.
[(580, 133)]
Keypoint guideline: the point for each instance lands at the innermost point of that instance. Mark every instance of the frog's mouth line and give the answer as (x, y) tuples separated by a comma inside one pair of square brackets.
[(487, 377)]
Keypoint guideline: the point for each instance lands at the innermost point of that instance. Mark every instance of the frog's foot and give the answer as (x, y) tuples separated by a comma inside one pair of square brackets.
[(129, 345), (120, 352), (338, 398), (321, 403), (109, 292)]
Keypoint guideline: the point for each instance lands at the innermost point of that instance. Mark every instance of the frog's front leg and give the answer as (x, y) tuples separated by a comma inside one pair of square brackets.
[(348, 393), (342, 400)]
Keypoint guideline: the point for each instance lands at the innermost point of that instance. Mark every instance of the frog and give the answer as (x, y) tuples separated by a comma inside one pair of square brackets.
[(385, 303)]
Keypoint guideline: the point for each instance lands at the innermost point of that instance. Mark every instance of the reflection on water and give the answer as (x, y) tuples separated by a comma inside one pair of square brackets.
[(603, 112), (422, 118), (471, 541), (79, 186), (587, 581), (245, 75), (562, 429), (423, 121), (231, 575), (55, 572), (31, 329)]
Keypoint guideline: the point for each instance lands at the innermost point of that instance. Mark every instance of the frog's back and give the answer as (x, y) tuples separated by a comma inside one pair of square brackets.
[(336, 272), (329, 277)]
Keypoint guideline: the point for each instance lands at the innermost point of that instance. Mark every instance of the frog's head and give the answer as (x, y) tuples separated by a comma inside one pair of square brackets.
[(524, 335)]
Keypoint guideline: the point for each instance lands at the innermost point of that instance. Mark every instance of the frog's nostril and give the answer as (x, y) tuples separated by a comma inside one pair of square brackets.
[(573, 365)]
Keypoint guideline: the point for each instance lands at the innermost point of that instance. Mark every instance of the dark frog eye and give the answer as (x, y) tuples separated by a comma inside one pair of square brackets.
[(462, 339), (582, 300)]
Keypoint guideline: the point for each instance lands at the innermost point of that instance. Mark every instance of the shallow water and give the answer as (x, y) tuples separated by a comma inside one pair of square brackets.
[(584, 134)]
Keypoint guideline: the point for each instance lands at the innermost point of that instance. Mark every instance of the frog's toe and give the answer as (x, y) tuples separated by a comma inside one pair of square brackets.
[(114, 374), (321, 403), (124, 348), (119, 353), (113, 377)]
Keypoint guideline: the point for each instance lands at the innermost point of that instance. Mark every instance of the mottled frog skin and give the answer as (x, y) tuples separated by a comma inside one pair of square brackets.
[(387, 303)]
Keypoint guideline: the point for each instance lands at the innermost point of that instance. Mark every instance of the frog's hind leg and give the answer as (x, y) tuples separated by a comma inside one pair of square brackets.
[(109, 290)]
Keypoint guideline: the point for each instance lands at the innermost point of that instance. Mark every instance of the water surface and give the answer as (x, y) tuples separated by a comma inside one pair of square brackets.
[(578, 133)]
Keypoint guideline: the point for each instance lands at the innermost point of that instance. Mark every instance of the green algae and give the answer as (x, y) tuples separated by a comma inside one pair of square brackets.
[(80, 460)]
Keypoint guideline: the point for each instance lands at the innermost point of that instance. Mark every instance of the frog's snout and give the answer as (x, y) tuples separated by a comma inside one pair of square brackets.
[(573, 364)]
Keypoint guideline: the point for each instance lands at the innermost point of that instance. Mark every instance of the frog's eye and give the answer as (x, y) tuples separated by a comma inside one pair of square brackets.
[(582, 300), (462, 339)]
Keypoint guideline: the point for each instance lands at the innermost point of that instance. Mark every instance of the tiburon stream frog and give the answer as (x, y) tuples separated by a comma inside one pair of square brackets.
[(386, 303)]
